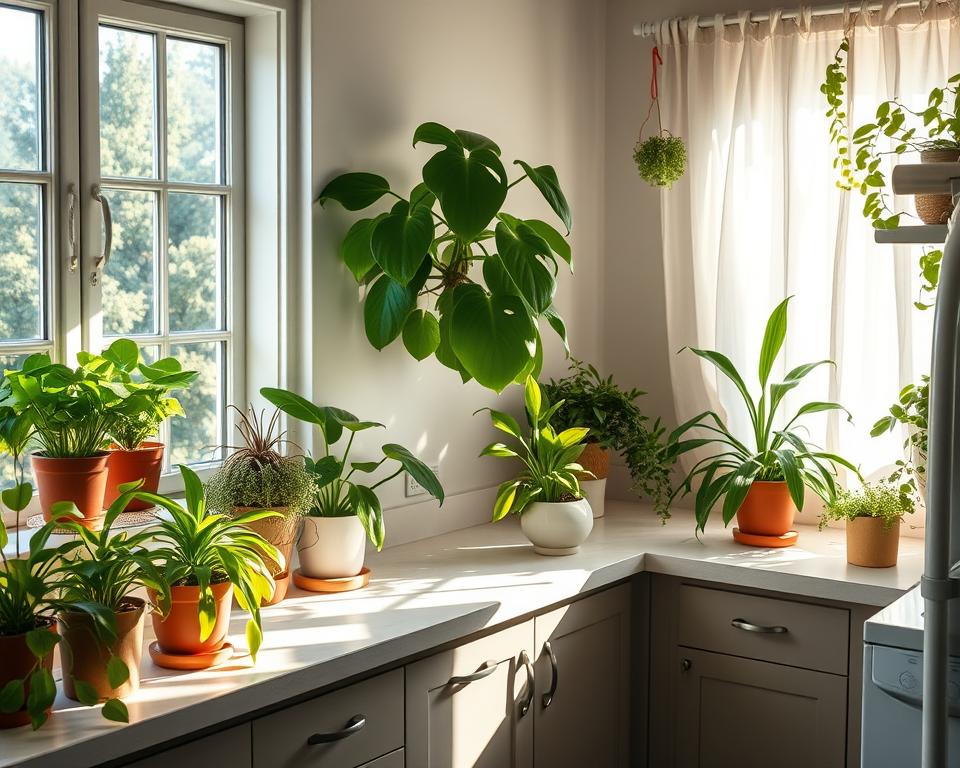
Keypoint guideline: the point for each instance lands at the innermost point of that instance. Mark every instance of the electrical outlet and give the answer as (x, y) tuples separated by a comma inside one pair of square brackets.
[(413, 488)]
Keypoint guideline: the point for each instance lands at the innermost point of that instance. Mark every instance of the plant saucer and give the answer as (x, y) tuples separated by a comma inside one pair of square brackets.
[(190, 660), (758, 540), (344, 584)]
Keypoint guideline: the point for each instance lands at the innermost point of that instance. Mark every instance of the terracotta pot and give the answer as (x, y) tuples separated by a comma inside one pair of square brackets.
[(870, 544), (179, 632), (596, 459), (936, 209), (16, 663), (144, 463), (84, 656), (80, 480), (767, 509), (332, 547), (282, 533)]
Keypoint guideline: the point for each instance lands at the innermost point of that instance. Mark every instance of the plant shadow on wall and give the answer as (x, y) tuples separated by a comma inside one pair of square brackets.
[(487, 287), (760, 478)]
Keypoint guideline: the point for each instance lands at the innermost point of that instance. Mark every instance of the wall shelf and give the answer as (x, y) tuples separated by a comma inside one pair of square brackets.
[(922, 233)]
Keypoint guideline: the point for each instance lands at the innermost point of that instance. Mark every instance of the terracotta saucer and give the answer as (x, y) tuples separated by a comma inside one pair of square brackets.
[(190, 660), (345, 584), (757, 540)]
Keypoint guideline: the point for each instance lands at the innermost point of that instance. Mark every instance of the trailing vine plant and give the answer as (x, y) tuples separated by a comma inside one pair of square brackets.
[(859, 154)]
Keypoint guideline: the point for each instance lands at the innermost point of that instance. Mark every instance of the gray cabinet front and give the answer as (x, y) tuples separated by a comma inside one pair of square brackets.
[(753, 714)]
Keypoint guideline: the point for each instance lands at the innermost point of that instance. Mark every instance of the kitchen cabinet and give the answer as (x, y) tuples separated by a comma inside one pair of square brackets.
[(230, 747), (393, 760), (582, 702), (734, 671)]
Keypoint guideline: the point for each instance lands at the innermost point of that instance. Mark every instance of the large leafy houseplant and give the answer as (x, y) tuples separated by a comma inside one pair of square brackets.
[(338, 492), (490, 275), (860, 152), (773, 451), (617, 424), (549, 458), (200, 549)]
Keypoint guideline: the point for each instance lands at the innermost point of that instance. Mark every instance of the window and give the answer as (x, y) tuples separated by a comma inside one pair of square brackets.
[(154, 214), (162, 137)]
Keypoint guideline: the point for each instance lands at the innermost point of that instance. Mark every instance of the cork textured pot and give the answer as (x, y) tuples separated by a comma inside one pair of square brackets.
[(80, 480), (596, 459), (936, 209), (871, 545), (179, 631), (767, 509), (144, 463), (84, 656), (16, 663)]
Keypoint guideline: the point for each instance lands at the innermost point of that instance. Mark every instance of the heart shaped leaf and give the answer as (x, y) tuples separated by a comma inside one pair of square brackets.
[(356, 250), (421, 334), (355, 191), (385, 310), (493, 337), (471, 187), (545, 179), (518, 251), (401, 240)]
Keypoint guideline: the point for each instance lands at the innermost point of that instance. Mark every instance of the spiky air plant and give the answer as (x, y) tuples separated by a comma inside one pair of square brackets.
[(262, 442)]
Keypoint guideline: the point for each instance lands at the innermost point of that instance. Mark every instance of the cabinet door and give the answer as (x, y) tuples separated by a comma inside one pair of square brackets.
[(465, 705), (393, 760), (583, 683), (230, 747), (754, 714)]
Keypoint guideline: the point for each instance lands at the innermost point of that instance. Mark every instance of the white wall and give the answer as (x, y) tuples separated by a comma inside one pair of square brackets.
[(528, 73)]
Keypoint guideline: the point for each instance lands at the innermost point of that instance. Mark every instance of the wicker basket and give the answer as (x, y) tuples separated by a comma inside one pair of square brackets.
[(595, 459), (936, 209)]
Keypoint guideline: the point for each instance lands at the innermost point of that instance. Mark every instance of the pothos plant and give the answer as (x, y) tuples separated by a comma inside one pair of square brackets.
[(484, 277), (860, 153), (338, 492)]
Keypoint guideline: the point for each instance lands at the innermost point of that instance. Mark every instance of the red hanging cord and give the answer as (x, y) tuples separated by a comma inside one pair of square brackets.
[(655, 59)]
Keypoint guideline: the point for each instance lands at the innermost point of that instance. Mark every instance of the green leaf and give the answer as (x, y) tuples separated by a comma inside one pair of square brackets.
[(506, 494), (401, 241), (421, 334), (366, 504), (556, 322), (737, 487), (572, 436), (4, 536), (356, 250), (117, 672), (416, 469), (773, 338), (326, 470), (254, 637), (86, 693), (500, 450), (494, 338), (43, 691), (192, 489), (300, 408), (385, 311), (116, 710), (725, 366), (545, 179), (355, 191), (791, 473), (470, 187), (553, 238), (11, 696), (434, 133), (532, 400), (505, 423), (41, 642), (123, 353), (519, 257)]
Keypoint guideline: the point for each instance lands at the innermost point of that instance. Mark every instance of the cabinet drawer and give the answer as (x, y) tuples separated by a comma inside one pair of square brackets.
[(281, 740), (815, 636)]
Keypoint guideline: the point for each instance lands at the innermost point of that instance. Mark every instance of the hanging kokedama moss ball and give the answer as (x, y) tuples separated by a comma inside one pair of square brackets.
[(661, 160)]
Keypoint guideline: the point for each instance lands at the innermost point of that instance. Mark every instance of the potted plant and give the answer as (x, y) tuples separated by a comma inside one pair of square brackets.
[(489, 275), (343, 510), (28, 631), (69, 413), (99, 619), (15, 434), (761, 477), (872, 517), (932, 130), (134, 453), (616, 424), (554, 515), (207, 558), (257, 476)]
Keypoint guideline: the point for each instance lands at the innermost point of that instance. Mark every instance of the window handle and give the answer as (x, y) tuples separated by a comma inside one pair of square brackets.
[(102, 260), (72, 226), (547, 699)]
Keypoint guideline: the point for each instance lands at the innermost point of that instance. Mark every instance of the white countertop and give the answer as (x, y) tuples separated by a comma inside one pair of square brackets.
[(431, 592)]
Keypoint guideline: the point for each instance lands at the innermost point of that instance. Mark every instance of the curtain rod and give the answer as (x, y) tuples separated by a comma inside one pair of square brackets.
[(650, 27)]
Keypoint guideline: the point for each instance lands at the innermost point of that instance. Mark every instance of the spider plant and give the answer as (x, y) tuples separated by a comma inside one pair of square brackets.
[(772, 452)]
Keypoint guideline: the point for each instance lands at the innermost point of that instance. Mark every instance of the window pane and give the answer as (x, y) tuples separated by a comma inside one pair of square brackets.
[(194, 112), (197, 437), (20, 126), (21, 239), (194, 262), (129, 279), (127, 134)]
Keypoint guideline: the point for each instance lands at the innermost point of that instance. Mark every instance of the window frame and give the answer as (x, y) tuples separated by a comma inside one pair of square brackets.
[(165, 22)]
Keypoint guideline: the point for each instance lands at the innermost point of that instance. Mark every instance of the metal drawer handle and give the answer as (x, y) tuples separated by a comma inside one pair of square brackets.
[(746, 626), (531, 679), (486, 669), (355, 724), (547, 699)]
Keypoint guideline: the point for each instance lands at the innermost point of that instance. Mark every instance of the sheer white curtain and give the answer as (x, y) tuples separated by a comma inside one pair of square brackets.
[(759, 217)]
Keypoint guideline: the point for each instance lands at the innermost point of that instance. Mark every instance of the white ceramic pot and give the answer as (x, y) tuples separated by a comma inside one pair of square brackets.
[(594, 491), (557, 528), (331, 547)]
